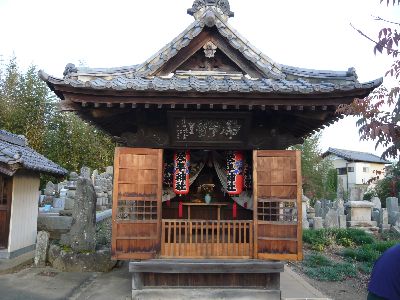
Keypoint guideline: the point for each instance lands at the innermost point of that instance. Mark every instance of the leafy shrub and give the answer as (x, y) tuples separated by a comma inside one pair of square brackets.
[(316, 260), (363, 254), (336, 272), (320, 239), (366, 267), (383, 246)]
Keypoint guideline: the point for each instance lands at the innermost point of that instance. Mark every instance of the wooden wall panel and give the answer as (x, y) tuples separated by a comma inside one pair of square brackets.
[(5, 209), (137, 204), (277, 201), (24, 210)]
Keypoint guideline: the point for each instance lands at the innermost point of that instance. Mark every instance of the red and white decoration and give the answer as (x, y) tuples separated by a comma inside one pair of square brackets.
[(181, 181), (234, 169)]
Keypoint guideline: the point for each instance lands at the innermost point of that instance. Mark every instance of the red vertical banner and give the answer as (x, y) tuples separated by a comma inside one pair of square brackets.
[(234, 169), (234, 210), (181, 172)]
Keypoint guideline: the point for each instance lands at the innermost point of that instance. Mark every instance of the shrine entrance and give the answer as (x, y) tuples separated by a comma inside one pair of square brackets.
[(151, 221), (207, 222), (5, 210)]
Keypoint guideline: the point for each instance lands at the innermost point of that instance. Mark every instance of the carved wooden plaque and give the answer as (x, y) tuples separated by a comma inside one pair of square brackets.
[(217, 130)]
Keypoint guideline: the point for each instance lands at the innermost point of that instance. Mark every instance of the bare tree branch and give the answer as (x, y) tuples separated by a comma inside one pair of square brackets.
[(390, 50), (377, 18)]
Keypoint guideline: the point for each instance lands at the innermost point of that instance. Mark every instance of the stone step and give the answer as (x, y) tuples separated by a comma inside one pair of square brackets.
[(220, 294)]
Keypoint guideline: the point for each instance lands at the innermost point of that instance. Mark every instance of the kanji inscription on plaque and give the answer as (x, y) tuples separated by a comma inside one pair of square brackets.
[(200, 129)]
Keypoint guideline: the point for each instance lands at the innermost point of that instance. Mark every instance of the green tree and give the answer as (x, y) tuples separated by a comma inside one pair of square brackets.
[(319, 177), (28, 107)]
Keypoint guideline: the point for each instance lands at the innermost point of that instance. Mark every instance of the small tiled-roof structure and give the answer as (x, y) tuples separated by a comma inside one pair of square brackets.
[(356, 156), (15, 154)]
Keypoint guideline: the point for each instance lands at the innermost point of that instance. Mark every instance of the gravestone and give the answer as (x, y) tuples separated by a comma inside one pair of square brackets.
[(318, 223), (42, 246), (318, 209), (86, 172), (332, 219), (49, 192), (342, 221), (392, 204), (360, 214), (110, 170), (339, 206), (311, 213), (377, 202), (83, 230), (357, 193), (304, 212), (70, 194), (383, 220), (376, 214)]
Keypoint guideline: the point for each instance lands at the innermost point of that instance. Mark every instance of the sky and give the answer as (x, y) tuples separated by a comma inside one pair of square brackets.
[(313, 34)]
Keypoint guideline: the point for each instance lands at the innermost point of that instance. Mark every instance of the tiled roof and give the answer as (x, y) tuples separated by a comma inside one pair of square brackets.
[(274, 78), (356, 156), (195, 83), (266, 65), (15, 154)]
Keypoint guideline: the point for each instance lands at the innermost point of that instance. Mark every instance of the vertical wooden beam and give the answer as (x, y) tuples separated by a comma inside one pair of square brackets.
[(115, 204), (299, 207), (159, 192), (255, 203)]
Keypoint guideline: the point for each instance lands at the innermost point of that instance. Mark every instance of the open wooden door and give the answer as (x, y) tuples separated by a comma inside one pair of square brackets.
[(277, 205), (5, 210), (136, 230)]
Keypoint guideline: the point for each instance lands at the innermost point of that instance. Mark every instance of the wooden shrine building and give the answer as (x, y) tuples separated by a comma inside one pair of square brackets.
[(208, 92)]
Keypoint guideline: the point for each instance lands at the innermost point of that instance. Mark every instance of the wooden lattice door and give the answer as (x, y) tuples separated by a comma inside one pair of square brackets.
[(5, 210), (277, 205), (136, 231)]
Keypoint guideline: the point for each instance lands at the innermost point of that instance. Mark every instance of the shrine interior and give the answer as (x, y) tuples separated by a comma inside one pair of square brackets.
[(208, 198)]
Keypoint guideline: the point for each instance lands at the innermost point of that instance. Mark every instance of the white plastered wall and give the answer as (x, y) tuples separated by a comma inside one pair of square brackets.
[(24, 211), (358, 177)]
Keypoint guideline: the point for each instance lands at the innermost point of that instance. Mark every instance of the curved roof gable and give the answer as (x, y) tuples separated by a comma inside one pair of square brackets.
[(210, 17)]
